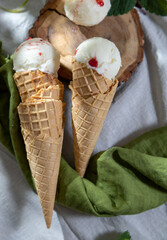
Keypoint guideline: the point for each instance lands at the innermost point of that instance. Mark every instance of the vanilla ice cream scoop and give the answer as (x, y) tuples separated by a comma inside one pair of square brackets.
[(87, 12), (36, 54), (100, 54)]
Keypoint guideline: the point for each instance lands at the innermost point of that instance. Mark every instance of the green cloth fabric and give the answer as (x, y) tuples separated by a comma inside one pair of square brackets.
[(125, 180)]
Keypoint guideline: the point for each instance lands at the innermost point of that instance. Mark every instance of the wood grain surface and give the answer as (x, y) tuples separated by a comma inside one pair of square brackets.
[(124, 30)]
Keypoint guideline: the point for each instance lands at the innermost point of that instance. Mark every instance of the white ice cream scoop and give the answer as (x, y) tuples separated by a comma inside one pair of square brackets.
[(87, 12), (101, 55), (36, 54)]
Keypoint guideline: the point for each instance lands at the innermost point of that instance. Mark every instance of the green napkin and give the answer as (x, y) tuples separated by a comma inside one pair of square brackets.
[(125, 180)]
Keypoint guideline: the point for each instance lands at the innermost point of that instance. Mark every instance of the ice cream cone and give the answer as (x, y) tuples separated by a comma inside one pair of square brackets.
[(30, 82), (88, 115), (96, 63), (42, 129), (36, 63)]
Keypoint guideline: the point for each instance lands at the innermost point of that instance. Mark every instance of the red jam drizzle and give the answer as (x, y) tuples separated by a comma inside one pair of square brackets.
[(76, 52), (93, 62), (100, 2), (28, 38)]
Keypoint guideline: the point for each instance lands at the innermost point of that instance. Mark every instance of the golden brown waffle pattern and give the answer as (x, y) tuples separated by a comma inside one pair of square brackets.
[(88, 82), (30, 82), (42, 124), (89, 111)]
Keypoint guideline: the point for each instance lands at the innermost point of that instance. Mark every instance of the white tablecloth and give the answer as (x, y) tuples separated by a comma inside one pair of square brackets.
[(140, 105)]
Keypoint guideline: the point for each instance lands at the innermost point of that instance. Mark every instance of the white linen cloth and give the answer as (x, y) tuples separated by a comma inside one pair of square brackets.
[(139, 105)]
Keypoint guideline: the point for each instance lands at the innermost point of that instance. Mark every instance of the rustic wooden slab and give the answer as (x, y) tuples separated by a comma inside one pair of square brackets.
[(124, 30)]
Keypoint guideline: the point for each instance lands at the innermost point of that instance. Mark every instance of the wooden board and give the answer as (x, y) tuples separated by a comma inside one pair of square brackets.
[(124, 30)]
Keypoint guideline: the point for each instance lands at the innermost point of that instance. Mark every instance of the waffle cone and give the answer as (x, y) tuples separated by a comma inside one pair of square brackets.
[(30, 82), (42, 124), (88, 82), (44, 154), (88, 115)]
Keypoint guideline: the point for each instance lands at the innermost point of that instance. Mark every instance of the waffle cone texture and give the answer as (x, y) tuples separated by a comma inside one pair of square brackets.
[(41, 114), (30, 82), (92, 95)]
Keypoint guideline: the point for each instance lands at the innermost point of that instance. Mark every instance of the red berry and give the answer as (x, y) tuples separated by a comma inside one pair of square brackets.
[(93, 62), (100, 2)]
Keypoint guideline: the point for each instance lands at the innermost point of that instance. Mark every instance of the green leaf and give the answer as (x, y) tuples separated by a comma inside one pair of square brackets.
[(16, 10), (121, 6), (155, 6), (125, 236)]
